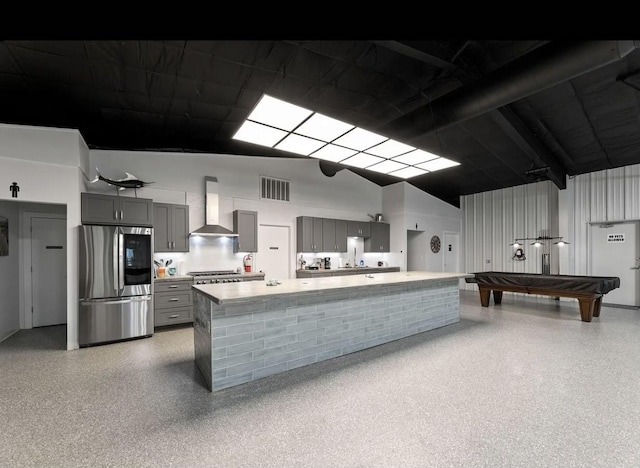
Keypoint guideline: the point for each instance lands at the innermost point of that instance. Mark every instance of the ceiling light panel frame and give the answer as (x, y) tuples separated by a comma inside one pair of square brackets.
[(287, 127)]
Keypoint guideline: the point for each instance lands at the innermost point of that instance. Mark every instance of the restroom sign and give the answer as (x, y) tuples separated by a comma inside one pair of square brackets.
[(617, 238)]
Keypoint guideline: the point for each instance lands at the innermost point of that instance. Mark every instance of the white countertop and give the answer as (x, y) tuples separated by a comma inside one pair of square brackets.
[(225, 293)]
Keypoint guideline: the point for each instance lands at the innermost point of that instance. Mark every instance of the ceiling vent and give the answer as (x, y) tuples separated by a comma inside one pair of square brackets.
[(274, 189)]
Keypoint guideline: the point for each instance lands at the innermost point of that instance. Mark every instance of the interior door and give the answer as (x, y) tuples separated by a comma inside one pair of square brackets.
[(613, 250), (49, 271), (273, 252)]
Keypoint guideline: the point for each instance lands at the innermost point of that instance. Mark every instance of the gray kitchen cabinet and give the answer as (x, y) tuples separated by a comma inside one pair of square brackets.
[(245, 224), (98, 208), (173, 302), (380, 240), (170, 227), (309, 234), (334, 235), (358, 229)]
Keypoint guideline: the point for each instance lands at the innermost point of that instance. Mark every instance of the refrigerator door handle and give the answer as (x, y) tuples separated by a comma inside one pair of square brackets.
[(116, 260), (121, 260), (126, 300)]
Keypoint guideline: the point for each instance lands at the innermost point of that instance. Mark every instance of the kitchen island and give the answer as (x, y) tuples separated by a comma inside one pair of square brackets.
[(247, 331)]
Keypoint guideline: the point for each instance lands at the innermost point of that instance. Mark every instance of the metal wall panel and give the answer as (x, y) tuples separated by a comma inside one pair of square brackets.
[(492, 220), (611, 195)]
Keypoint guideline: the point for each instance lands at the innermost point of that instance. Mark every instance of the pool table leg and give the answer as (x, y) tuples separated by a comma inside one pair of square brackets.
[(497, 297), (484, 296), (587, 307), (596, 307)]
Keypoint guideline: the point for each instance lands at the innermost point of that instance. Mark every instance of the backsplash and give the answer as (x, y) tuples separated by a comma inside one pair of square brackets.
[(205, 253), (341, 259), (216, 253)]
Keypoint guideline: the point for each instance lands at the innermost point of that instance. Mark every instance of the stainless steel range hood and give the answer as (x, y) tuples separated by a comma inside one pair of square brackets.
[(212, 212)]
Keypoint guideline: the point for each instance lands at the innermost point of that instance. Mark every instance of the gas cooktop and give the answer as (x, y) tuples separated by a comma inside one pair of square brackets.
[(215, 276)]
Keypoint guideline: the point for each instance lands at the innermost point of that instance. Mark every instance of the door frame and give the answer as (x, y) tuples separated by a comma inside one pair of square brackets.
[(26, 317), (589, 263), (291, 266), (444, 234)]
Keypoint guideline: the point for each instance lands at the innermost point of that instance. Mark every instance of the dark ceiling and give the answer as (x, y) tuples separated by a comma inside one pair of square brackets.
[(511, 112)]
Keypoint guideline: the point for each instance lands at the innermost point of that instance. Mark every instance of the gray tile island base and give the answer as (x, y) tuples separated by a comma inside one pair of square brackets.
[(247, 331)]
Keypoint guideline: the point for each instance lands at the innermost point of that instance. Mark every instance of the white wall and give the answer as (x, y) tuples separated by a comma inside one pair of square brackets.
[(406, 207), (179, 178), (9, 281), (46, 165), (47, 145)]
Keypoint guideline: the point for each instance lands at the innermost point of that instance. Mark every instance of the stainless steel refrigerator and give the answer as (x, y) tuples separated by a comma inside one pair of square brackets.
[(116, 283)]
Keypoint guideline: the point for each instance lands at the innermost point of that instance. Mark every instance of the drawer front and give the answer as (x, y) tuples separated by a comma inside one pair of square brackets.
[(173, 299), (169, 286), (171, 316)]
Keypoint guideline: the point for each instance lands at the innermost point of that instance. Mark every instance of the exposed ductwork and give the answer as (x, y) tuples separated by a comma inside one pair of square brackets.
[(212, 212), (543, 68)]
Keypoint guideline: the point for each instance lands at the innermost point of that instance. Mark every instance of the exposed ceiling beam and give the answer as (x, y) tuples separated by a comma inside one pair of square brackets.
[(520, 134), (541, 69)]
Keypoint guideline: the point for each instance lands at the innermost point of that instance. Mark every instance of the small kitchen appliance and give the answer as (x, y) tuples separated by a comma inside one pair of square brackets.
[(327, 263)]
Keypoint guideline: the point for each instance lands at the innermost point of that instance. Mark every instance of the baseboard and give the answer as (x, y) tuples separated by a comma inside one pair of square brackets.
[(8, 335)]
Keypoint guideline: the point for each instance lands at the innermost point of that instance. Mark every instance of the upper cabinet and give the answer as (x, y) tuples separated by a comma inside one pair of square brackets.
[(358, 229), (123, 211), (334, 235), (380, 238), (170, 227), (309, 234), (245, 224)]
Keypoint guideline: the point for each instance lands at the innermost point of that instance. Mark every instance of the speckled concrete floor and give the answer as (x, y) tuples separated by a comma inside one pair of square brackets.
[(523, 384)]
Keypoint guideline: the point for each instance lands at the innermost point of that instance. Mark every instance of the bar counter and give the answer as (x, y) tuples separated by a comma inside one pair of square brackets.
[(250, 330)]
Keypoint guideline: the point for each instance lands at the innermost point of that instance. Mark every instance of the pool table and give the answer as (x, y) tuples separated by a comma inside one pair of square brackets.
[(588, 290)]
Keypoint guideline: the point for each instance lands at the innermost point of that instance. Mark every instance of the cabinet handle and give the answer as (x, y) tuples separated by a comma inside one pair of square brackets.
[(121, 214), (115, 215), (174, 316), (174, 299), (173, 245), (173, 286), (168, 244)]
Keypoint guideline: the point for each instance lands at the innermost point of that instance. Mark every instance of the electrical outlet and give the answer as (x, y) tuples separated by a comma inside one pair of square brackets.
[(487, 261)]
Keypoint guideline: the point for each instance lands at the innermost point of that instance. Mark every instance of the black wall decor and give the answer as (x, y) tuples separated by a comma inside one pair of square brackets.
[(14, 188)]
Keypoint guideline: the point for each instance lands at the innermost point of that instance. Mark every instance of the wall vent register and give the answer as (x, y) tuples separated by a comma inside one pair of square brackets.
[(274, 189)]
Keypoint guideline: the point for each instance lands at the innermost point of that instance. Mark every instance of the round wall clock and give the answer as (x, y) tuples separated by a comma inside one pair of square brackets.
[(435, 244)]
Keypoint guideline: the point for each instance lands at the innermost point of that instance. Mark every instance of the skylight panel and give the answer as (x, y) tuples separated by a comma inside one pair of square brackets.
[(323, 128), (416, 157), (279, 114), (299, 144), (333, 153), (252, 132), (437, 164), (359, 139), (387, 166), (390, 148), (408, 172), (362, 160)]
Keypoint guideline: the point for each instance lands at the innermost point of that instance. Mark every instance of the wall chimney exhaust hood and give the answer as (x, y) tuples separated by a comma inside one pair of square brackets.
[(212, 212)]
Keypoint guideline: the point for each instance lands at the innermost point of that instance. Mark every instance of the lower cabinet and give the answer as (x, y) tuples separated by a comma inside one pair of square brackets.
[(173, 302)]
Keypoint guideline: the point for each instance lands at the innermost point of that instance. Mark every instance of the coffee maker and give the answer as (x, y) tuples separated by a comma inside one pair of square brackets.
[(327, 263)]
